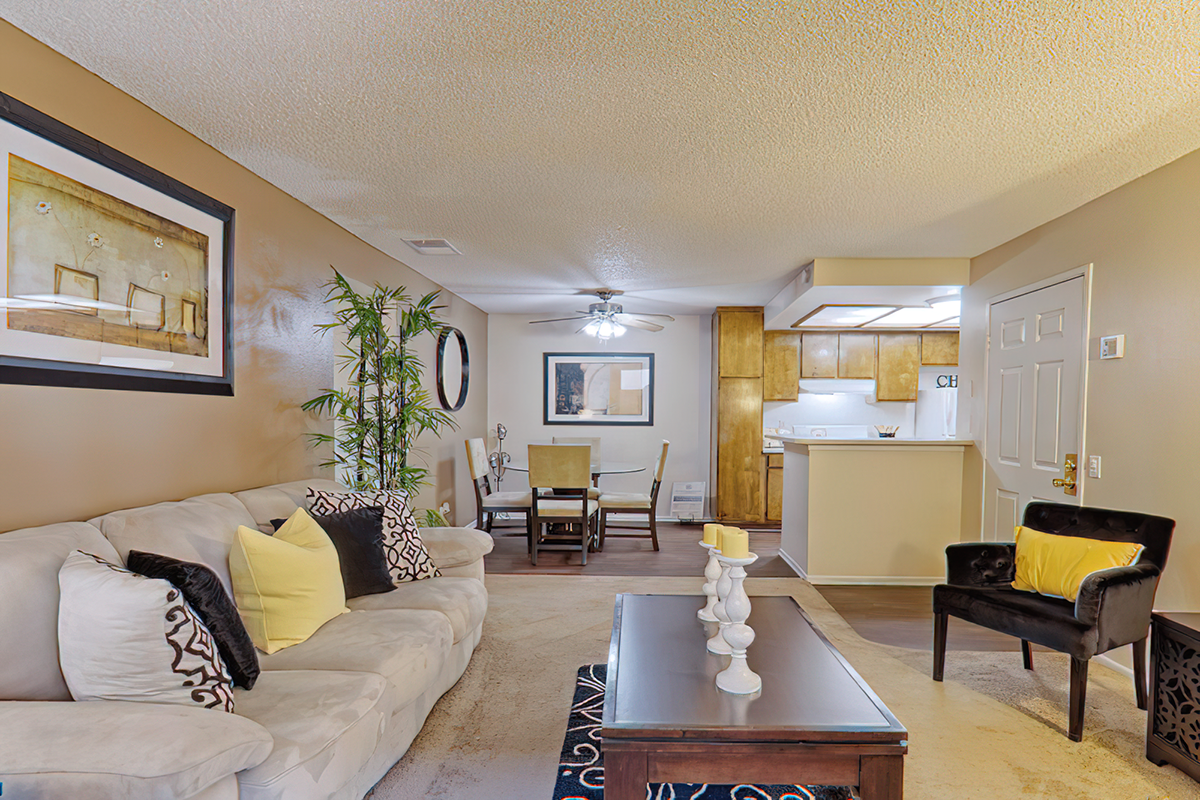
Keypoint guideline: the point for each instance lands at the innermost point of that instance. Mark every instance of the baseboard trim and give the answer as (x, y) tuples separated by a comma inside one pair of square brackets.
[(1114, 665), (791, 562), (876, 580)]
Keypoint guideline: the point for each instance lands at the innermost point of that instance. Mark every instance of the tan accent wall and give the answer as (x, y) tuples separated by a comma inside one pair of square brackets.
[(1143, 243), (72, 453)]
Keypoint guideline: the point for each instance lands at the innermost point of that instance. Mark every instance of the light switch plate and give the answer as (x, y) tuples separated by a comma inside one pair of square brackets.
[(1093, 466), (1112, 346)]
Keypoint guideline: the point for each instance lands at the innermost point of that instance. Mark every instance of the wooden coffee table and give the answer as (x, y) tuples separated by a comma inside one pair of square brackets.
[(814, 722)]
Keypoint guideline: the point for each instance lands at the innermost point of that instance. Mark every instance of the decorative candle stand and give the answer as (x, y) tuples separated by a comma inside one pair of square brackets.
[(717, 643), (712, 571), (737, 678)]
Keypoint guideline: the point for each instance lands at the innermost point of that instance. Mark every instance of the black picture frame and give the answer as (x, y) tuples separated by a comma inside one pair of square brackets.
[(217, 379), (557, 410)]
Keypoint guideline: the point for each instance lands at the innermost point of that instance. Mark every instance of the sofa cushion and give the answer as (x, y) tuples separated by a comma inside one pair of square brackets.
[(456, 547), (280, 500), (357, 536), (408, 560), (287, 585), (408, 647), (464, 601), (203, 592), (1048, 621), (325, 727), (123, 636), (118, 750), (197, 529), (29, 563)]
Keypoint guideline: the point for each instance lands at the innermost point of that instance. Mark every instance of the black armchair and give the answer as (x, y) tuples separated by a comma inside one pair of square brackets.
[(1112, 609)]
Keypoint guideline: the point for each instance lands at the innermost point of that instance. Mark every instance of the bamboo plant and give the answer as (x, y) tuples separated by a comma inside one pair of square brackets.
[(379, 415)]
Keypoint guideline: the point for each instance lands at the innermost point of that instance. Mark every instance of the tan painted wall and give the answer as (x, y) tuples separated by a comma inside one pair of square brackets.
[(72, 453), (1143, 417)]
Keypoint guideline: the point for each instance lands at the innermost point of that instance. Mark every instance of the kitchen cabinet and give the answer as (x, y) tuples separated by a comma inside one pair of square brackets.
[(819, 355), (781, 366), (939, 349), (739, 346), (773, 471), (898, 367), (856, 355), (740, 342)]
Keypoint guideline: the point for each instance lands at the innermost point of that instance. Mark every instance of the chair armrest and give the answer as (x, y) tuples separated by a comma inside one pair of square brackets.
[(1118, 601), (980, 563)]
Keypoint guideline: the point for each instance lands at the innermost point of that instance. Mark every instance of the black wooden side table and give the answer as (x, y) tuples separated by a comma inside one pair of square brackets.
[(1173, 722)]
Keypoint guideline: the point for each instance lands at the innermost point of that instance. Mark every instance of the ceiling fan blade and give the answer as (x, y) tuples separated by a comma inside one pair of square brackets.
[(667, 317), (560, 319), (632, 322)]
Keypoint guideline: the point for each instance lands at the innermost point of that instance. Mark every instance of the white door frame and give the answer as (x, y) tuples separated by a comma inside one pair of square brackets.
[(1084, 271)]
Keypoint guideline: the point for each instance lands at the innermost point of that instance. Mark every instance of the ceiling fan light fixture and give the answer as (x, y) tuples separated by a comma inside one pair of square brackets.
[(592, 328)]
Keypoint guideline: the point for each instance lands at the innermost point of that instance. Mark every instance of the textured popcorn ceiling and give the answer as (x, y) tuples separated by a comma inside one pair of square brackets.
[(689, 153)]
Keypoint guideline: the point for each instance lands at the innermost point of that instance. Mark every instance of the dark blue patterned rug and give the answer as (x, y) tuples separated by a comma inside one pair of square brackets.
[(581, 763)]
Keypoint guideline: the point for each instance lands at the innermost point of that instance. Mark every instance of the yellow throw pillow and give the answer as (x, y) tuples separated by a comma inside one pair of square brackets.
[(1056, 565), (287, 585)]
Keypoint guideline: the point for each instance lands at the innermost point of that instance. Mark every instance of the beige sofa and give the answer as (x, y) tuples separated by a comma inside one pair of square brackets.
[(326, 719)]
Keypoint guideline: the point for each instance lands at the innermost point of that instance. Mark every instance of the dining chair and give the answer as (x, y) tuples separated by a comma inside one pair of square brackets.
[(635, 504), (566, 471), (594, 443), (488, 503)]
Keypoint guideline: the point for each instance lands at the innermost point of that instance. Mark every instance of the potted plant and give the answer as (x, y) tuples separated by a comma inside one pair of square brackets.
[(379, 415)]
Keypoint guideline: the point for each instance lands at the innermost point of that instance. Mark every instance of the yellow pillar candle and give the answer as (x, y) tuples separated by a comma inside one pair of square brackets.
[(712, 534), (735, 543)]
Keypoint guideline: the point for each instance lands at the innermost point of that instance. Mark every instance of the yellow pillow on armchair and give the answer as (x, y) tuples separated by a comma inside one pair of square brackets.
[(1056, 565), (288, 585)]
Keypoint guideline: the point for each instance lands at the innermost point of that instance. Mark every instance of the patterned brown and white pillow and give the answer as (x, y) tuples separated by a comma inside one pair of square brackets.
[(407, 558), (122, 636)]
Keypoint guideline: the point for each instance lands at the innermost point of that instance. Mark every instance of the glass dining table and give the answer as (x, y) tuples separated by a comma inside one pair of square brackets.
[(603, 468)]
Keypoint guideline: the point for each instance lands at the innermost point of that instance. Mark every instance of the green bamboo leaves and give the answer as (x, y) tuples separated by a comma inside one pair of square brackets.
[(382, 411)]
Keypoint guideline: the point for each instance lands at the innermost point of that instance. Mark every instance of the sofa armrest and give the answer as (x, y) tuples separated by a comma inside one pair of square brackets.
[(1118, 601), (981, 563), (119, 750), (457, 551)]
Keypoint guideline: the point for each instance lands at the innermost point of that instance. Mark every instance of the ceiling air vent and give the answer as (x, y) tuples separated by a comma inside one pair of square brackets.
[(432, 247)]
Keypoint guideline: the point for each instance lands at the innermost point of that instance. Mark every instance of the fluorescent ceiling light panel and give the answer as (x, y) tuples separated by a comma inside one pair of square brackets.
[(432, 247), (914, 317), (843, 316), (946, 323)]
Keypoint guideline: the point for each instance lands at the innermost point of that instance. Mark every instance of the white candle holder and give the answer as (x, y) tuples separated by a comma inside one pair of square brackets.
[(717, 644), (737, 678), (712, 571)]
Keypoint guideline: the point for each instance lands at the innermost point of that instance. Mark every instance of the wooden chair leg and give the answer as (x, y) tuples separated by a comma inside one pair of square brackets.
[(585, 540), (528, 532), (939, 643), (1139, 672), (535, 533), (490, 519), (653, 530), (1027, 653), (1079, 670), (600, 537)]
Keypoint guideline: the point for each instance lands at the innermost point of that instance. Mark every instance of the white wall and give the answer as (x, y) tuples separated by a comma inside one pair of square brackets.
[(840, 409), (682, 405)]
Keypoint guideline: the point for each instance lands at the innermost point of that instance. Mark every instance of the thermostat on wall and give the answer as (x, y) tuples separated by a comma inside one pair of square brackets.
[(1112, 346)]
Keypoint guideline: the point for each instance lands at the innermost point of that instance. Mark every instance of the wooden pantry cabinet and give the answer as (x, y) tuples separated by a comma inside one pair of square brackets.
[(739, 340)]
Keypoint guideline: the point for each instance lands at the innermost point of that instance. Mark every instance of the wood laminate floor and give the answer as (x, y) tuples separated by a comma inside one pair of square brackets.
[(679, 555)]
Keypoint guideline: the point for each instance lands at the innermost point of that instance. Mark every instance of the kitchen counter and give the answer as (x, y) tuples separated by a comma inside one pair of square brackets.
[(871, 511)]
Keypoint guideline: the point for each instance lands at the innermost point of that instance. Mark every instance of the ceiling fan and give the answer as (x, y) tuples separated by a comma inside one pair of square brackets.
[(605, 319)]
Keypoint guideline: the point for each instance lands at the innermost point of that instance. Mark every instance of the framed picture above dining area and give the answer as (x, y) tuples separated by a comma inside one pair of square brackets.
[(598, 388)]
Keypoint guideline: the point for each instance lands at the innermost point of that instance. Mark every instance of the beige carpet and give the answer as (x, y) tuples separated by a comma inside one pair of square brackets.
[(991, 730)]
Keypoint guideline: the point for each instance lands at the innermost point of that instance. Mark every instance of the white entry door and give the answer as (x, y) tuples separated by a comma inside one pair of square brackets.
[(1035, 376)]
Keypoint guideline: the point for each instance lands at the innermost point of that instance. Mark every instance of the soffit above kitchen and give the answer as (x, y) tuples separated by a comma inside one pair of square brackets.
[(688, 153)]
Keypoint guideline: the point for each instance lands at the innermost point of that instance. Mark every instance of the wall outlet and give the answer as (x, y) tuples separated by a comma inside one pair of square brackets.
[(1093, 466), (1112, 346)]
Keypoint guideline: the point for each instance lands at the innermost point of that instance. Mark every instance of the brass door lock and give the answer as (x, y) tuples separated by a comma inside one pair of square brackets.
[(1067, 481)]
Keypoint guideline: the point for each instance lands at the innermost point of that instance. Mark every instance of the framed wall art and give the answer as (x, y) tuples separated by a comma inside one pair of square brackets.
[(598, 388), (114, 275)]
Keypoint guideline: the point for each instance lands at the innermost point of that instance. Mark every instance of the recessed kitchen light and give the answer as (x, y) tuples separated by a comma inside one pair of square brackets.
[(432, 247)]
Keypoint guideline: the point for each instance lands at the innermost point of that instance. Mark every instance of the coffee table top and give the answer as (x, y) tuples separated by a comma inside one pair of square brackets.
[(661, 680)]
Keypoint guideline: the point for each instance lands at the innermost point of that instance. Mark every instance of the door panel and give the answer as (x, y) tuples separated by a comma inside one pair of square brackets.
[(1035, 380)]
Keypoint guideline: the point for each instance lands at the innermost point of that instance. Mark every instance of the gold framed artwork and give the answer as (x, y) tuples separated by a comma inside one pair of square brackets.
[(598, 388), (114, 275)]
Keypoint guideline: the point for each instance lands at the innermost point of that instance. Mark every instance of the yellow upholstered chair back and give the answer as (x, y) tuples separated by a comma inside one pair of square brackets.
[(559, 466), (477, 461), (591, 441)]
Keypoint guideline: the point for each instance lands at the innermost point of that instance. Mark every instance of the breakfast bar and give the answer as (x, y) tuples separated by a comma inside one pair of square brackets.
[(871, 510)]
